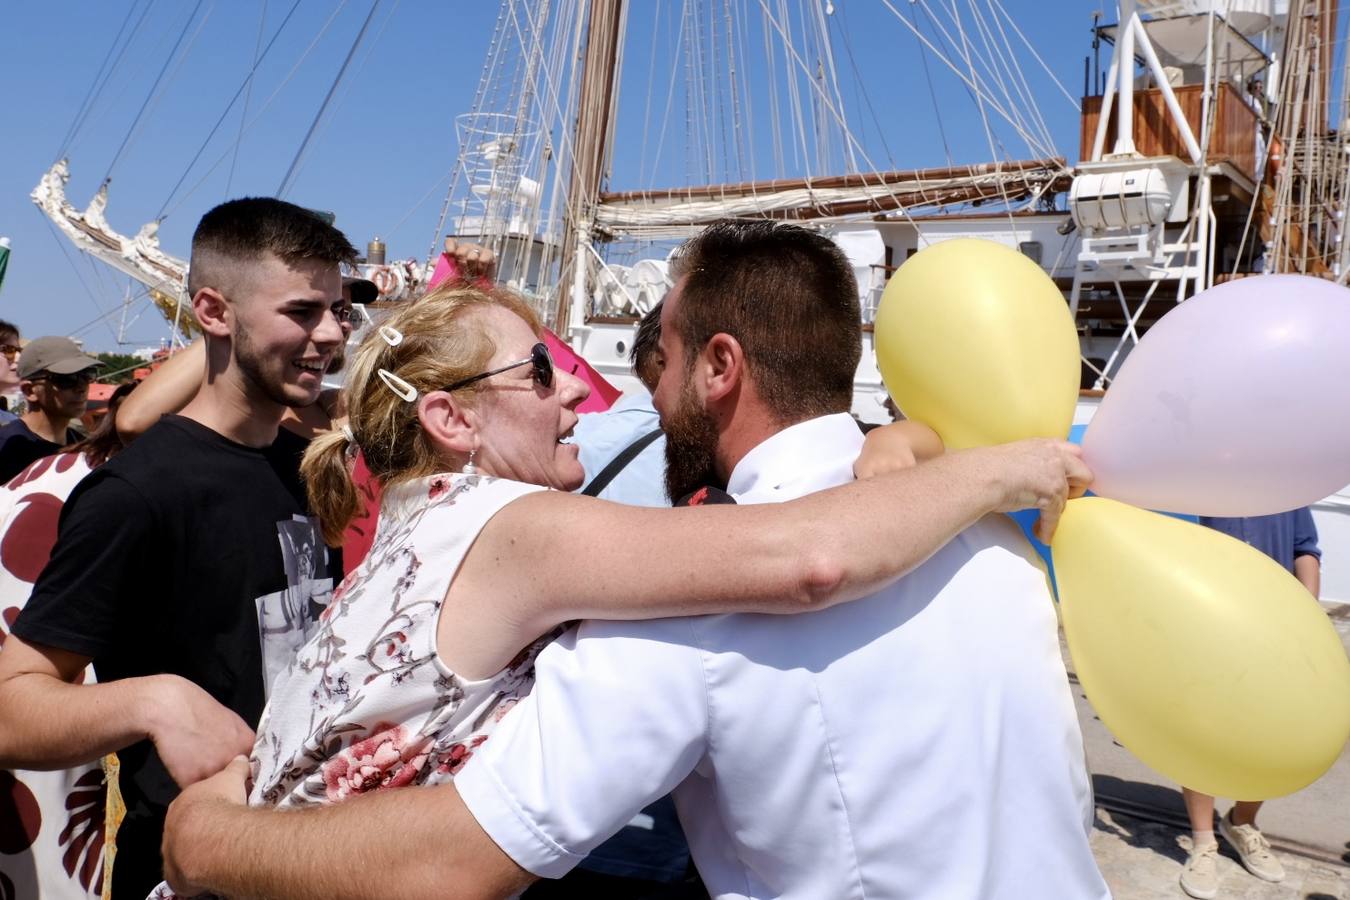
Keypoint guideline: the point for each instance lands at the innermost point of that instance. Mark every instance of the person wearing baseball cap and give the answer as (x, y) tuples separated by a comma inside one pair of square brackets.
[(54, 377)]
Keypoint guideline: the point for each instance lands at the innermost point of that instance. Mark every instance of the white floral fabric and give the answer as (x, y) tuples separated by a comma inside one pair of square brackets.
[(368, 704)]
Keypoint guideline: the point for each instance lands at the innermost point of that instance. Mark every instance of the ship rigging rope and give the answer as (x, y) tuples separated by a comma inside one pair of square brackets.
[(1048, 71), (1041, 145), (261, 110), (823, 36), (286, 181), (456, 171), (1008, 73), (76, 269), (154, 88), (861, 88), (975, 85), (988, 132), (651, 80), (248, 95), (244, 85), (923, 57), (96, 86), (848, 136)]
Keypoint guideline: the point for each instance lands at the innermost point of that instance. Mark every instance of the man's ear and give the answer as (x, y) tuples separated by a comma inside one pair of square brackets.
[(211, 309), (723, 363), (27, 389), (448, 422)]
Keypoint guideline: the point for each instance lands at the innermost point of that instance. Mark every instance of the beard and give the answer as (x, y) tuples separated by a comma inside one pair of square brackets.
[(251, 366), (691, 446)]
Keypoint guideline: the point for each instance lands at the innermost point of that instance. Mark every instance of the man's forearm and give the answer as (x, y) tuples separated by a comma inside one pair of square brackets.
[(1308, 570), (409, 843), (46, 723)]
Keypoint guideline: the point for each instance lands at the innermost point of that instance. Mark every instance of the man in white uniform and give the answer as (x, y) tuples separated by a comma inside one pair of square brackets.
[(918, 743)]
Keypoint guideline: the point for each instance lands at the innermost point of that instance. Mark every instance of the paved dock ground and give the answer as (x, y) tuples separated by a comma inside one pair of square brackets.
[(1142, 835)]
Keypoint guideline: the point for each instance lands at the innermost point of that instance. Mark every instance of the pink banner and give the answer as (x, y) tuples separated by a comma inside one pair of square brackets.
[(603, 394), (445, 268)]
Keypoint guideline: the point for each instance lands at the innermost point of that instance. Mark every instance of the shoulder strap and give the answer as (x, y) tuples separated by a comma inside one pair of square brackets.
[(619, 463)]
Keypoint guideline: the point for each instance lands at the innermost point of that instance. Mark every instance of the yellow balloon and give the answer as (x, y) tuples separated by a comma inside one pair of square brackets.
[(974, 340), (1206, 658)]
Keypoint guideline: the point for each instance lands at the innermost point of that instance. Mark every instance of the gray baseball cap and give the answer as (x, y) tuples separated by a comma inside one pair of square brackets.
[(58, 355)]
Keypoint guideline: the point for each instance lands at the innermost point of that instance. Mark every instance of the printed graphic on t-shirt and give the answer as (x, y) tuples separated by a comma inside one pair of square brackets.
[(287, 618)]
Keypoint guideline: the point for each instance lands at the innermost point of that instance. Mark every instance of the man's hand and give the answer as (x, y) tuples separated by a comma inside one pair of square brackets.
[(1039, 474), (194, 735), (227, 788), (891, 448), (473, 261)]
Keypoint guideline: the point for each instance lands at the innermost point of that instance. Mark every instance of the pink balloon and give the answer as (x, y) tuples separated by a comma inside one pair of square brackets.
[(1236, 403)]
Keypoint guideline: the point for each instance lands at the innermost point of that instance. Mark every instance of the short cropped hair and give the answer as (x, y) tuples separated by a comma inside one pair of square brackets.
[(643, 355), (788, 296), (246, 230)]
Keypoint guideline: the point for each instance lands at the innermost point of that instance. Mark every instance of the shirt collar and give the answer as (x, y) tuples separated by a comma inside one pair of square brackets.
[(798, 451)]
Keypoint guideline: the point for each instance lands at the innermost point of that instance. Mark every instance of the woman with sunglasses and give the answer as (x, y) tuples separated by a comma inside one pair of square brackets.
[(457, 409)]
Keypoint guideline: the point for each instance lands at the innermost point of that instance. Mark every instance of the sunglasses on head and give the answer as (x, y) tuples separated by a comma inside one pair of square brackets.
[(540, 359), (67, 382)]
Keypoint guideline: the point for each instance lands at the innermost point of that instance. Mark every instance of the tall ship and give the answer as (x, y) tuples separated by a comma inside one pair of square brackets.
[(1206, 152)]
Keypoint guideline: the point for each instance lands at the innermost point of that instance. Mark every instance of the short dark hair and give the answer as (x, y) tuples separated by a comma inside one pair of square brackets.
[(245, 230), (643, 355), (8, 328), (789, 297)]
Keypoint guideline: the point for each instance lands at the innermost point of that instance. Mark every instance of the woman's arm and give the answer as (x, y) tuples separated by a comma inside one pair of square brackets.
[(897, 446), (168, 389), (551, 557)]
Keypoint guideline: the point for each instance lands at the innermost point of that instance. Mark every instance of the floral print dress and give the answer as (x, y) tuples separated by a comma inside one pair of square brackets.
[(368, 703)]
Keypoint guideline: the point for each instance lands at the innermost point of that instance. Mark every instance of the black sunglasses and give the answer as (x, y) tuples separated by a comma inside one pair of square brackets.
[(539, 358), (67, 382)]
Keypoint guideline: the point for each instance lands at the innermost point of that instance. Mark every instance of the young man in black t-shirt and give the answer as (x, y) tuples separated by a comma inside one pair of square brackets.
[(178, 567)]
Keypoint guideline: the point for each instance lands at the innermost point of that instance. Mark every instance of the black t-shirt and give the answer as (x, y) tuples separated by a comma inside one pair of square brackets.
[(165, 556), (19, 446)]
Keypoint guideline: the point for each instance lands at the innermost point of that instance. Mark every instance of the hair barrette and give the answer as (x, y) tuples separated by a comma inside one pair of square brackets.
[(405, 391)]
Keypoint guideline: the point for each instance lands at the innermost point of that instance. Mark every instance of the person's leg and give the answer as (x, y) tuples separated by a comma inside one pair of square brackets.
[(1239, 829), (1244, 812), (1200, 875), (1200, 809)]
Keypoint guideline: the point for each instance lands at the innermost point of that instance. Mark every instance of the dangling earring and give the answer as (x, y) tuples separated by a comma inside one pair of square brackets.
[(469, 467)]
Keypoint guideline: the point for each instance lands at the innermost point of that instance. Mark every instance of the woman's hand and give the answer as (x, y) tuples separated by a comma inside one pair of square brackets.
[(901, 445)]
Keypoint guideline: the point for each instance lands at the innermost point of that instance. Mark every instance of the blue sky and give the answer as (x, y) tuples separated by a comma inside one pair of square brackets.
[(382, 151)]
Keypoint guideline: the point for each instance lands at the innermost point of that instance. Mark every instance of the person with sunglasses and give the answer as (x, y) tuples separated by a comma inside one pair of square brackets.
[(9, 369), (482, 554), (54, 377)]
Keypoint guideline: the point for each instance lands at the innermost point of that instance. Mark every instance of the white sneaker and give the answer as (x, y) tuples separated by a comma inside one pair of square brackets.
[(1200, 875), (1253, 848)]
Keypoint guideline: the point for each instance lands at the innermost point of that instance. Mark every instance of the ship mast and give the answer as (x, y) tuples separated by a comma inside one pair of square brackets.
[(593, 135)]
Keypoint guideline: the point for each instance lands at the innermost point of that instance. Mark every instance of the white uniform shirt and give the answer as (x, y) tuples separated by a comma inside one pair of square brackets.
[(921, 742)]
